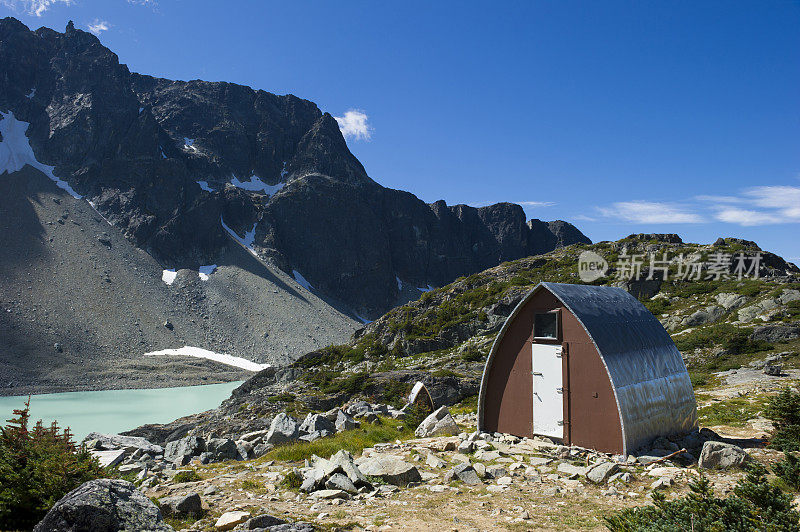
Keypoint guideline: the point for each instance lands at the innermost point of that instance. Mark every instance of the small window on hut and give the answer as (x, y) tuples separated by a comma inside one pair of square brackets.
[(545, 325)]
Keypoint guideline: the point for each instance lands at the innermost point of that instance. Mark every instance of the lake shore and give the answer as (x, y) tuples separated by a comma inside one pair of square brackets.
[(130, 374)]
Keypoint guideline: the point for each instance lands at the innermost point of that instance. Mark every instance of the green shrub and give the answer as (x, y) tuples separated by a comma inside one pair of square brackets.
[(284, 397), (293, 480), (186, 475), (783, 410), (754, 504), (471, 354), (793, 308), (37, 468), (735, 340), (788, 470)]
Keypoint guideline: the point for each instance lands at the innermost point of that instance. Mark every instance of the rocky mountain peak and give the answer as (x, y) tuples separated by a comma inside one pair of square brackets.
[(168, 162)]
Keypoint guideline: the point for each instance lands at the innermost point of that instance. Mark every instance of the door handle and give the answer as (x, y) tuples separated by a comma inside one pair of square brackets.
[(538, 373)]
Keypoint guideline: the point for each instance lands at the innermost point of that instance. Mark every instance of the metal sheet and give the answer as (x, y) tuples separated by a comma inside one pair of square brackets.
[(652, 386), (652, 389)]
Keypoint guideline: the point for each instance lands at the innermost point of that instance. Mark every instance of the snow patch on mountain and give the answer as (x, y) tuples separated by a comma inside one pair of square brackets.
[(204, 271), (204, 186), (247, 241), (255, 184), (222, 358), (168, 276), (16, 151), (301, 280)]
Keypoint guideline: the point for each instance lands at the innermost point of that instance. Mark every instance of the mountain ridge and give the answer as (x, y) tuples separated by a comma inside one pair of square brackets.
[(137, 146)]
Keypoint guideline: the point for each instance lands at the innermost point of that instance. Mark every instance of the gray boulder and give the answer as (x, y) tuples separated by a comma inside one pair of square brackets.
[(182, 505), (776, 333), (180, 452), (465, 473), (719, 455), (340, 481), (343, 460), (345, 422), (263, 521), (600, 473), (316, 423), (390, 469), (283, 429), (131, 443), (439, 423), (317, 434), (103, 505), (221, 449), (730, 301)]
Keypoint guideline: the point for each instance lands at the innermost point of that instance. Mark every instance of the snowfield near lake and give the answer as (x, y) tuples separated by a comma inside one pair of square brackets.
[(255, 184), (16, 151), (222, 358)]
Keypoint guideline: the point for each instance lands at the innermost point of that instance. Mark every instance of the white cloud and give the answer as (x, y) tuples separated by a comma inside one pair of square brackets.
[(719, 199), (98, 26), (650, 212), (762, 205), (33, 7), (535, 203), (354, 125), (746, 217)]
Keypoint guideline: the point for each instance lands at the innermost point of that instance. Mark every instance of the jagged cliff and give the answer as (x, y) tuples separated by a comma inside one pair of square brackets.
[(137, 146)]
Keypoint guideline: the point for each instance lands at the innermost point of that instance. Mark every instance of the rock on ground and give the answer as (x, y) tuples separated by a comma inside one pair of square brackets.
[(390, 469), (229, 520), (181, 505), (439, 423), (103, 505), (720, 455), (465, 473), (602, 472)]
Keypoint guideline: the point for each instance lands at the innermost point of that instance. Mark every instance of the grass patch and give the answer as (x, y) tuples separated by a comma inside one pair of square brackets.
[(186, 475), (352, 440), (731, 412), (467, 406)]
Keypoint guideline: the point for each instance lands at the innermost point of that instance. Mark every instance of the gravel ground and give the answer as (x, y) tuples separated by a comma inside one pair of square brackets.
[(80, 305)]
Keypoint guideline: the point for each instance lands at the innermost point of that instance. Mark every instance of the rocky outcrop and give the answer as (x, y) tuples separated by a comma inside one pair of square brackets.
[(137, 146), (103, 506)]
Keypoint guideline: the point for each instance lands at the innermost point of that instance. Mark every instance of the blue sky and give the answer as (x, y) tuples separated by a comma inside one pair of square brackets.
[(619, 117)]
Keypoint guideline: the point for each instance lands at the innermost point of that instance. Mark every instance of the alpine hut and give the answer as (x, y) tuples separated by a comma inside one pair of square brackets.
[(587, 366)]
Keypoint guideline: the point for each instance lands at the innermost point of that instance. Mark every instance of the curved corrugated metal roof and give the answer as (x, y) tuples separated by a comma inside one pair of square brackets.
[(652, 387)]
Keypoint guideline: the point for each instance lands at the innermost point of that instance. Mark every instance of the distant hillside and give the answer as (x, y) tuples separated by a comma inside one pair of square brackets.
[(444, 337)]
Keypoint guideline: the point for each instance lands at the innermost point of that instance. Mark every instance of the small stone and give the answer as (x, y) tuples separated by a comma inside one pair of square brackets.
[(181, 506), (661, 483), (600, 473), (465, 473), (229, 520), (435, 462)]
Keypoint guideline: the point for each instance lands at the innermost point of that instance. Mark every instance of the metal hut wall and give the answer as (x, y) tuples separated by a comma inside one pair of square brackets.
[(586, 365)]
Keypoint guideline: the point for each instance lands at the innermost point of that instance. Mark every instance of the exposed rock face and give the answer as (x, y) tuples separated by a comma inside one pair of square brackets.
[(103, 506), (137, 145)]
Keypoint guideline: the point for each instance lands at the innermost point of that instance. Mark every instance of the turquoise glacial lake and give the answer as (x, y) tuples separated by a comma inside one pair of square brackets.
[(114, 411)]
